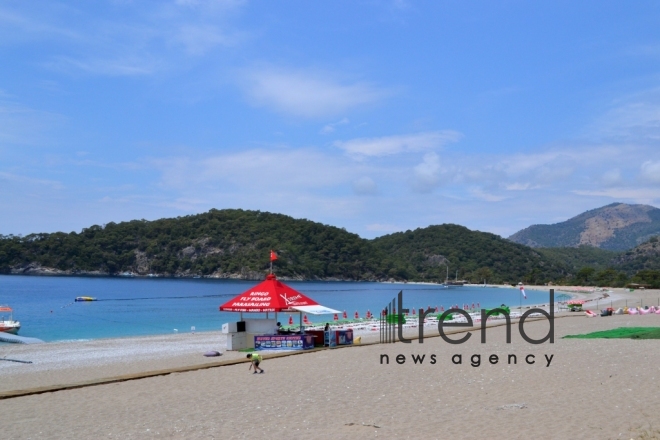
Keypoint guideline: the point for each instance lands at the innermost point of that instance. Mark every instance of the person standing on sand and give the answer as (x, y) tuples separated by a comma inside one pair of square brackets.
[(255, 361)]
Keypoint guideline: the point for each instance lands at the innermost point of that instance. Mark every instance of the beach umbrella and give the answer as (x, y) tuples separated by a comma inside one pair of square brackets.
[(357, 315), (442, 308), (344, 315), (336, 317), (306, 320), (478, 306), (413, 310), (436, 309), (473, 305), (290, 320), (368, 314), (271, 295)]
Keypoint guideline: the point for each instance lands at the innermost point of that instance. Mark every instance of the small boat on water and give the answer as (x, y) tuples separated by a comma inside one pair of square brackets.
[(85, 298), (8, 325)]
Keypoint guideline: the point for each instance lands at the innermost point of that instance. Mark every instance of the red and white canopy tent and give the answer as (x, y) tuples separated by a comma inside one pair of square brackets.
[(272, 295)]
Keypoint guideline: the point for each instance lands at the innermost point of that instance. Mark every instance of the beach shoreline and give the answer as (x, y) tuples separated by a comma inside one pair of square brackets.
[(114, 356), (344, 393)]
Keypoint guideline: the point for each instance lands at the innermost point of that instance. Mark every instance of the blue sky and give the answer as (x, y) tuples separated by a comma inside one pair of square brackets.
[(376, 116)]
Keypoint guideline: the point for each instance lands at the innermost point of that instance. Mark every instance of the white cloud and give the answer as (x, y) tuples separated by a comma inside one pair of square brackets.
[(129, 38), (308, 94), (330, 128), (128, 66), (633, 118), (426, 175), (636, 195), (365, 186), (650, 171), (388, 145), (612, 178), (23, 125), (199, 39), (278, 169), (480, 194), (25, 180), (518, 186)]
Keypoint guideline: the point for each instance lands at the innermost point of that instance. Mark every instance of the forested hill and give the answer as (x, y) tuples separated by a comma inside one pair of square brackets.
[(236, 244), (433, 251), (220, 243)]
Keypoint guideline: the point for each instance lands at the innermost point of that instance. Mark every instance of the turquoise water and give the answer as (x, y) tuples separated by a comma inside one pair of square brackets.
[(139, 306)]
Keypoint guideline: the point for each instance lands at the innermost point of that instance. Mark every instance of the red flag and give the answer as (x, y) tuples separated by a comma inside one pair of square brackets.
[(273, 255)]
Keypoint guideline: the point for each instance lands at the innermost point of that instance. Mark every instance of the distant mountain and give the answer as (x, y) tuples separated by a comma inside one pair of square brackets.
[(616, 227)]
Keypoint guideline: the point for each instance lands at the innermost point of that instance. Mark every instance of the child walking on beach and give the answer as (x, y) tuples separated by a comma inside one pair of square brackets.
[(256, 360)]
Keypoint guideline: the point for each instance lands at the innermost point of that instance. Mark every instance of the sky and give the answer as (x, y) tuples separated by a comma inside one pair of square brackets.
[(374, 116)]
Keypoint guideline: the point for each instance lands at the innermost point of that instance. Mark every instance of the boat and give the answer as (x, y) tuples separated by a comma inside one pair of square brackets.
[(8, 325), (85, 298)]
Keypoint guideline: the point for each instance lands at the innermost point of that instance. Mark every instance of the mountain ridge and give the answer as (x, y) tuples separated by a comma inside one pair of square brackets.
[(617, 227)]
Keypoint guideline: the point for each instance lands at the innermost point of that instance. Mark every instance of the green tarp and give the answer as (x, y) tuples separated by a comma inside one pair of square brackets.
[(622, 333)]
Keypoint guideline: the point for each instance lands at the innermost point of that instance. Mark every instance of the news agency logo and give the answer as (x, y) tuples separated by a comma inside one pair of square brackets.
[(391, 323)]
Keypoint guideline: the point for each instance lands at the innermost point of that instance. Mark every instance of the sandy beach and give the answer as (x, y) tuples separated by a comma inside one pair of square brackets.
[(597, 388)]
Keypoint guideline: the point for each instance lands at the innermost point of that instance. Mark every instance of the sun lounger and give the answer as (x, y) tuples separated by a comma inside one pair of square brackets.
[(590, 314), (618, 311)]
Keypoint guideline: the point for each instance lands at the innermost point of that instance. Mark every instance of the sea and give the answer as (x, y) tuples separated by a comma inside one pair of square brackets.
[(128, 306)]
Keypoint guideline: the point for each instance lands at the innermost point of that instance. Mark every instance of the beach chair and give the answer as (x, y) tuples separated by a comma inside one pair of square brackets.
[(618, 311), (590, 314)]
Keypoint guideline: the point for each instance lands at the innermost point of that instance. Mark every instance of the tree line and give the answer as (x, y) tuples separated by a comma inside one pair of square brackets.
[(236, 243)]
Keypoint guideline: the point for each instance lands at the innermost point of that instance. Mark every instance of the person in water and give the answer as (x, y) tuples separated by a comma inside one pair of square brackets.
[(255, 361)]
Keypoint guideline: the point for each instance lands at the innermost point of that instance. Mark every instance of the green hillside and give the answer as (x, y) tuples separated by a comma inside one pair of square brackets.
[(582, 256), (643, 257), (476, 256), (226, 243), (236, 244)]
